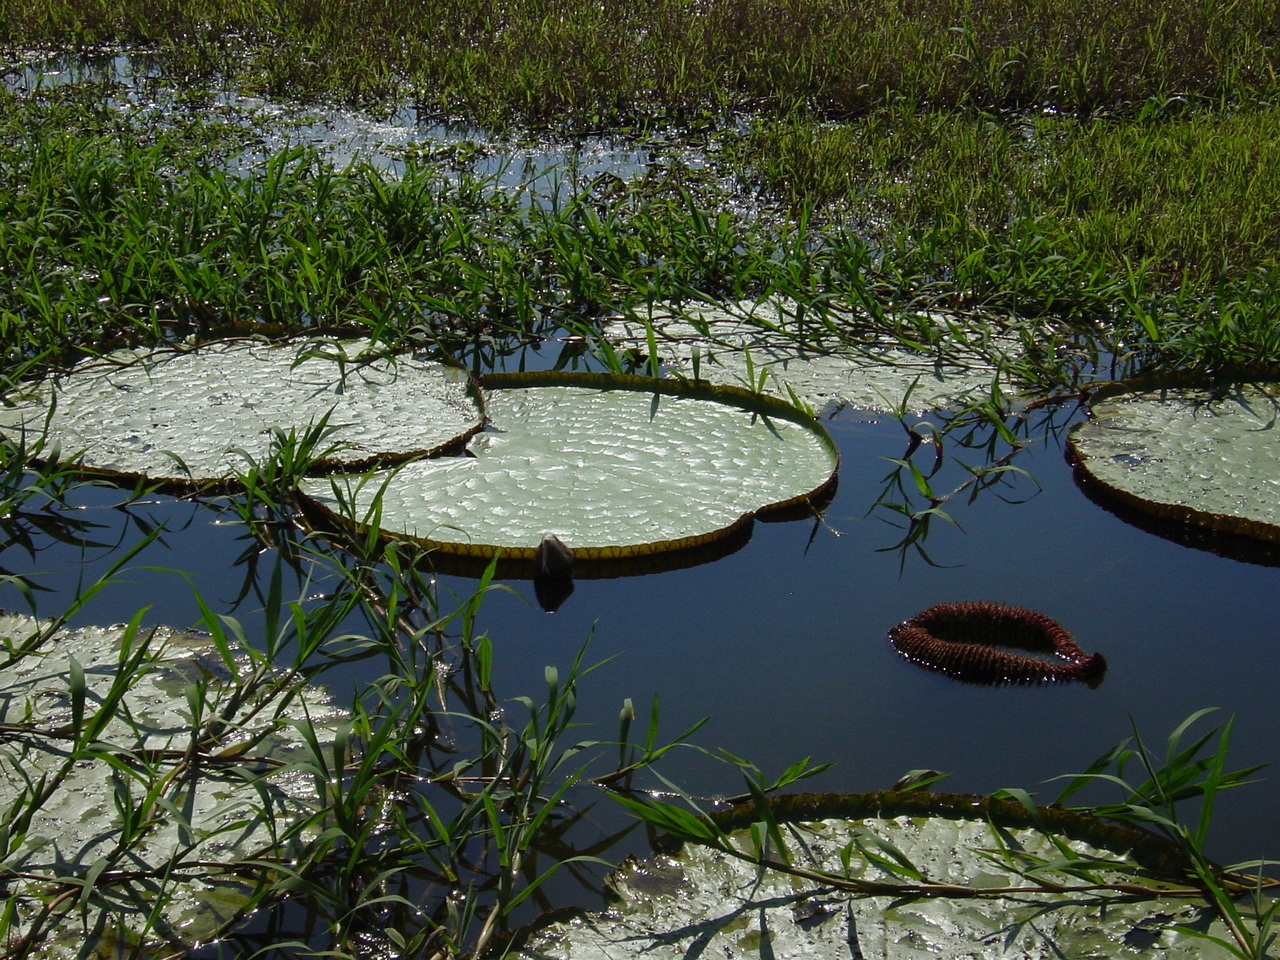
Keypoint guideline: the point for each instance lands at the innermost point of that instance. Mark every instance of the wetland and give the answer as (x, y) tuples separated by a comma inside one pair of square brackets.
[(926, 236)]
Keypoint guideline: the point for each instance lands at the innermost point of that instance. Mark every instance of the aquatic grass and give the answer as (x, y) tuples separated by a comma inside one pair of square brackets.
[(1149, 241), (1189, 772), (969, 453), (1195, 774), (1183, 197), (116, 241), (460, 820), (117, 229), (151, 786), (122, 238), (605, 64)]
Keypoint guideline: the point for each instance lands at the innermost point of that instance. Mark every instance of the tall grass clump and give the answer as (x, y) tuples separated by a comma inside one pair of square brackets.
[(119, 235), (1103, 167), (1191, 196)]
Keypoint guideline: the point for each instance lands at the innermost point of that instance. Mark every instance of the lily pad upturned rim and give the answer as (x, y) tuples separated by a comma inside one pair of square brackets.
[(1227, 534), (231, 485), (1163, 859), (1161, 856), (605, 561)]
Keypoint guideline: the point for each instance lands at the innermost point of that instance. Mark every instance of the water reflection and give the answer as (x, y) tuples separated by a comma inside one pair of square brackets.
[(954, 458), (137, 85), (783, 642), (1196, 536)]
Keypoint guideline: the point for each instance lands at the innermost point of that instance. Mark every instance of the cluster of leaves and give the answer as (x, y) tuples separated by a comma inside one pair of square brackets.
[(116, 237)]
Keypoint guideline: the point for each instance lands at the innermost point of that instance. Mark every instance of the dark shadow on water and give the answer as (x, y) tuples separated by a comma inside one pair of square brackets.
[(1218, 542)]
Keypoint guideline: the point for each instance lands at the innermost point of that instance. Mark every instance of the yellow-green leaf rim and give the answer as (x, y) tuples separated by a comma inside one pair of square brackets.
[(1194, 452)]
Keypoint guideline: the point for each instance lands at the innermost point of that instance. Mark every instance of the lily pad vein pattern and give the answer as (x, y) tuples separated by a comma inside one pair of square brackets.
[(602, 467), (149, 414)]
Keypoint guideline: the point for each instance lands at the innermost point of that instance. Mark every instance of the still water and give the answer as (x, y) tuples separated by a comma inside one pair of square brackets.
[(783, 643)]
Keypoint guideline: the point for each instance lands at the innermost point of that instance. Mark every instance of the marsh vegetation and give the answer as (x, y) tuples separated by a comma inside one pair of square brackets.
[(1051, 194)]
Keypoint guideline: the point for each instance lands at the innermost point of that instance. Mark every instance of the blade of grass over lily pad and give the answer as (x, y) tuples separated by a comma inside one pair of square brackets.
[(1200, 453), (187, 418), (615, 466), (821, 357), (893, 876), (141, 775)]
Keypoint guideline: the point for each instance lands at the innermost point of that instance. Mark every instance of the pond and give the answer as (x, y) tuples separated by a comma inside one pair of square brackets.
[(783, 643)]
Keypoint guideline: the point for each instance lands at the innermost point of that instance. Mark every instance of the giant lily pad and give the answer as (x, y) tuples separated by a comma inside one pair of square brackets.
[(1200, 454), (186, 417), (129, 820), (948, 879), (750, 341), (614, 466)]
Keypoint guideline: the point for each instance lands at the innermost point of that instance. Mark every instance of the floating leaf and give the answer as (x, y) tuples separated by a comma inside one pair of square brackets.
[(746, 346), (614, 466), (1200, 454), (98, 768), (194, 416), (936, 881)]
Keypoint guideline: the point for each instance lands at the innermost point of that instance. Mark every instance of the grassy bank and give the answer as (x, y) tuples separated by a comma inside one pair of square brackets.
[(1104, 169), (1154, 240)]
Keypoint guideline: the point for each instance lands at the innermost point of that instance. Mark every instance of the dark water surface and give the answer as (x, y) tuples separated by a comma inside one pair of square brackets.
[(783, 643)]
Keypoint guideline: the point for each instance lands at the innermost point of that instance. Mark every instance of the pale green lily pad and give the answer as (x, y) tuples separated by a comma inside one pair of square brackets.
[(703, 902), (205, 817), (611, 465), (738, 347), (1195, 454), (195, 416)]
